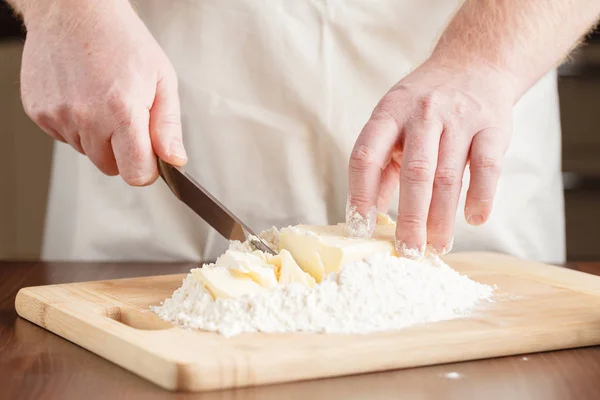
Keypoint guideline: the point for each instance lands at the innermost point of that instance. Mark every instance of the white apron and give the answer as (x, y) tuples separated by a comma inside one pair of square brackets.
[(273, 96)]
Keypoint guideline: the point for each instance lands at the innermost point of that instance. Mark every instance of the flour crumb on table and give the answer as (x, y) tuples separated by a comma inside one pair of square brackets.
[(452, 375), (320, 283)]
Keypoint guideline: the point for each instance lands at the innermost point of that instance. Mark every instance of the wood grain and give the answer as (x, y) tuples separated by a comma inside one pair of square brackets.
[(35, 363), (557, 309)]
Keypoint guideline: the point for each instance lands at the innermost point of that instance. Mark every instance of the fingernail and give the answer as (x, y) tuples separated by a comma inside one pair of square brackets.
[(448, 248), (360, 226), (176, 149), (475, 219), (412, 251), (441, 250)]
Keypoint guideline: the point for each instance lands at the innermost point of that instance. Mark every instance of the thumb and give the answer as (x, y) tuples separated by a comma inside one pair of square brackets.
[(165, 123)]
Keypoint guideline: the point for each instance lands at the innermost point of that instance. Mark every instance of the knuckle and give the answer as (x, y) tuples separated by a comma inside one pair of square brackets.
[(35, 113), (118, 105), (79, 114), (362, 157), (428, 105), (417, 171), (483, 198), (123, 127), (410, 220), (446, 178), (361, 199), (460, 109), (401, 87), (486, 165), (170, 119), (386, 110)]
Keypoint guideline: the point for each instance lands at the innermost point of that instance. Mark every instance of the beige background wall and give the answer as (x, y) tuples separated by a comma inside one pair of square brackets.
[(25, 159)]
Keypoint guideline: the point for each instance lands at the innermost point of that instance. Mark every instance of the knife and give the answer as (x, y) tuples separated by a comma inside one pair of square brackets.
[(190, 192)]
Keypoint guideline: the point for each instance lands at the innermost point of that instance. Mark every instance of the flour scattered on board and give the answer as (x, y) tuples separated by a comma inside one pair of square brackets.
[(452, 375), (379, 293)]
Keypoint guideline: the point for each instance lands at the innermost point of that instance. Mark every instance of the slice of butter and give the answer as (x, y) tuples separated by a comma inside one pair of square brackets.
[(384, 220), (321, 250), (289, 271), (222, 283), (253, 265)]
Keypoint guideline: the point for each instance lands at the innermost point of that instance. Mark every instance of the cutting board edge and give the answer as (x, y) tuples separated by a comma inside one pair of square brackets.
[(188, 373), (31, 308), (195, 377)]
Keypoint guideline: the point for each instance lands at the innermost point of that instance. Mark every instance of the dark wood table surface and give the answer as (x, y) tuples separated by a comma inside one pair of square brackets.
[(36, 364)]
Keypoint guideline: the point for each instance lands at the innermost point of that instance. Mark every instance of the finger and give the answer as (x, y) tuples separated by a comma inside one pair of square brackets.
[(133, 151), (165, 123), (388, 185), (447, 184), (73, 139), (45, 123), (487, 152), (419, 161), (100, 153), (86, 133), (75, 142), (372, 152)]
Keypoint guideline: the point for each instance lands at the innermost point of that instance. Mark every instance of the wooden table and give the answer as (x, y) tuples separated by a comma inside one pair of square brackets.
[(36, 364)]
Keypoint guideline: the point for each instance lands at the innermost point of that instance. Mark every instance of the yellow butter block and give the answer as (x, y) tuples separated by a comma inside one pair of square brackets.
[(253, 265), (222, 283), (289, 271), (321, 250)]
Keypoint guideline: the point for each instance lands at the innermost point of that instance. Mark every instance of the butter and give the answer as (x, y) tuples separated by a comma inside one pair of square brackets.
[(321, 250), (223, 283), (384, 220), (253, 265), (289, 271), (307, 254)]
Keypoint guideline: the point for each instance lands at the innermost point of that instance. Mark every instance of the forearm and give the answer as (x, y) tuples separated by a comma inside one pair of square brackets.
[(521, 39)]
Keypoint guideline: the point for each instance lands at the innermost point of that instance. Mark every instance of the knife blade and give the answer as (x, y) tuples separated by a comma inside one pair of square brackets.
[(205, 205)]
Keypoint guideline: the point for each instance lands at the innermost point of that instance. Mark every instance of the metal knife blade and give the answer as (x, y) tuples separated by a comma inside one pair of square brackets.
[(190, 192)]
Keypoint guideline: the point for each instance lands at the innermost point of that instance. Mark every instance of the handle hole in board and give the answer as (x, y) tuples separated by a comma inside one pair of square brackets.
[(137, 319)]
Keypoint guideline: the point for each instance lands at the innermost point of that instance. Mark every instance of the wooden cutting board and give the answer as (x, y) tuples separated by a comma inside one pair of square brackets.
[(537, 308)]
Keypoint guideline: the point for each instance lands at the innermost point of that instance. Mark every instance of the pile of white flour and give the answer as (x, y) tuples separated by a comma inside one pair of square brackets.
[(379, 294)]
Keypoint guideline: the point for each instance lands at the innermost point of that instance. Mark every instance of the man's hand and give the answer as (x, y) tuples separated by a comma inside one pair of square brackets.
[(421, 134), (454, 109), (93, 76)]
